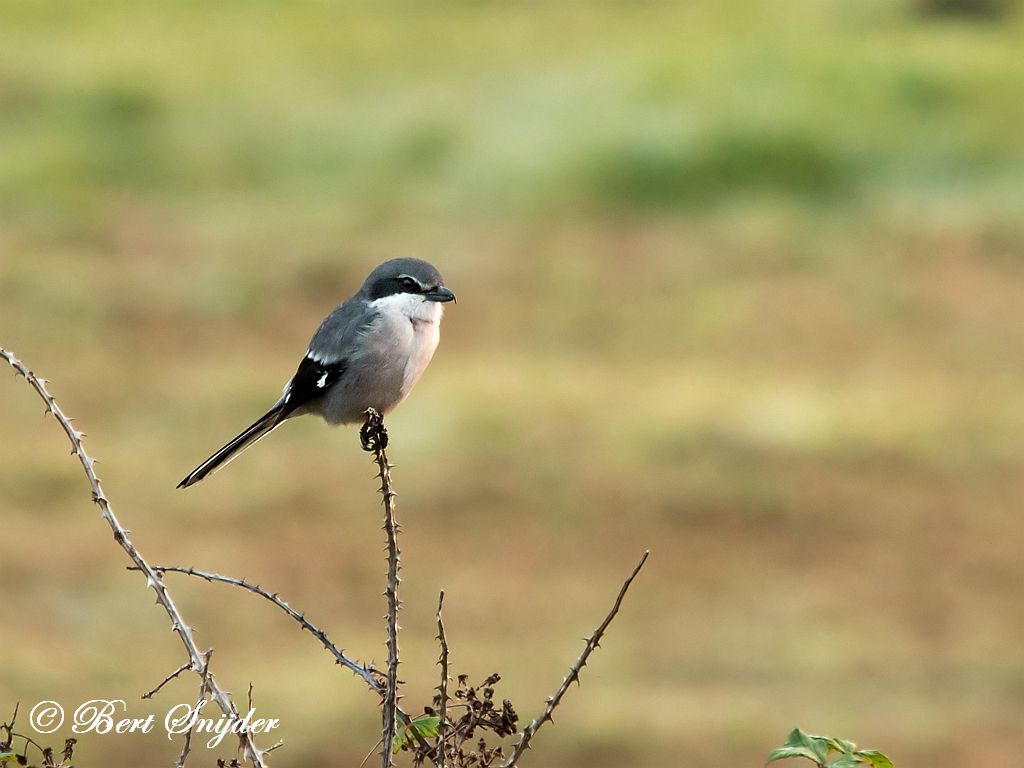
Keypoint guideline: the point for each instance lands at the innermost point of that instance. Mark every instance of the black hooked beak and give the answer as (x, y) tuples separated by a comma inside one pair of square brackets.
[(440, 293)]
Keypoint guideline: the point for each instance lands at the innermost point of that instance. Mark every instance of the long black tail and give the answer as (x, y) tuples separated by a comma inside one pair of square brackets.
[(259, 429)]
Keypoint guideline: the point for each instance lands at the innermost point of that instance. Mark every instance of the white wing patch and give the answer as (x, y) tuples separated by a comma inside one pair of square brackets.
[(322, 381)]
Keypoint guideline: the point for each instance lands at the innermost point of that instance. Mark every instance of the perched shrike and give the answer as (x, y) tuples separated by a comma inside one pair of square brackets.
[(368, 353)]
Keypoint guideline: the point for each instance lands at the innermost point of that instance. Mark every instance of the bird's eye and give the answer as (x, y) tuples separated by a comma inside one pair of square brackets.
[(409, 284)]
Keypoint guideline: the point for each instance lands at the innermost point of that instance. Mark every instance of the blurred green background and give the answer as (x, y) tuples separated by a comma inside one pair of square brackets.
[(739, 282)]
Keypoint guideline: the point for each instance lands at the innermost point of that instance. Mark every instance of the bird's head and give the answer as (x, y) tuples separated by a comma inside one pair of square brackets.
[(414, 277)]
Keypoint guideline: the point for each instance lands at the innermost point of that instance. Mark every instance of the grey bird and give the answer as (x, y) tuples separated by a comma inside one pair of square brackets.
[(367, 353)]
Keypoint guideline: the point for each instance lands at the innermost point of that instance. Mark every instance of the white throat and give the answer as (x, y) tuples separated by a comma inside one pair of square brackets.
[(411, 306)]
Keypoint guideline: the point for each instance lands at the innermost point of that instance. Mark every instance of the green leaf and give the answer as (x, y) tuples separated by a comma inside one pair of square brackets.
[(847, 761), (814, 744), (8, 756), (875, 758), (426, 726), (842, 746), (784, 752), (795, 738)]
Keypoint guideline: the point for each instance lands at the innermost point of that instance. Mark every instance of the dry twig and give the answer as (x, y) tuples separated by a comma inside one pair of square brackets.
[(166, 680)]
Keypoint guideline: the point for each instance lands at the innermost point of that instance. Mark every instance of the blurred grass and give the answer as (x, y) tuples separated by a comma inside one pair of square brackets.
[(738, 282)]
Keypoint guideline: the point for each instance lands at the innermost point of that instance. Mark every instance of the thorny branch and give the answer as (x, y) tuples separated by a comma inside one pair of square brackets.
[(364, 671), (442, 688), (591, 644), (153, 581), (374, 438)]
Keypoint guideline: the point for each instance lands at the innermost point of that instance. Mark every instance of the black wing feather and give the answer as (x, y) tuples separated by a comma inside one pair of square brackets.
[(311, 380)]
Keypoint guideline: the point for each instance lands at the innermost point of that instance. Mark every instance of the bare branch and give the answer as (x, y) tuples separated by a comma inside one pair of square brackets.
[(153, 580), (591, 644), (442, 688), (364, 671), (374, 438)]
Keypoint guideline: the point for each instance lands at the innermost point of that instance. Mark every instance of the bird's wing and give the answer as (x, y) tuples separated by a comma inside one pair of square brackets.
[(328, 354), (310, 381)]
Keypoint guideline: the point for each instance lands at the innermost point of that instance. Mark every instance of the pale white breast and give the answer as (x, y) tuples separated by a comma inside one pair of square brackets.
[(415, 325)]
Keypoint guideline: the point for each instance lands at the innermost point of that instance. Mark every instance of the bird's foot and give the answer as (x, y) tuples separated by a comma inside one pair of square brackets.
[(373, 435)]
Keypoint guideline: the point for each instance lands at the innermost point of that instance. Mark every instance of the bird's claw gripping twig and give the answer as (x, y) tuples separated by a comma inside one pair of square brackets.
[(373, 434)]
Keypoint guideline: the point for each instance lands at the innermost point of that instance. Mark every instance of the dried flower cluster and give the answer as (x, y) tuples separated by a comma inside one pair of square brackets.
[(481, 712), (463, 742)]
